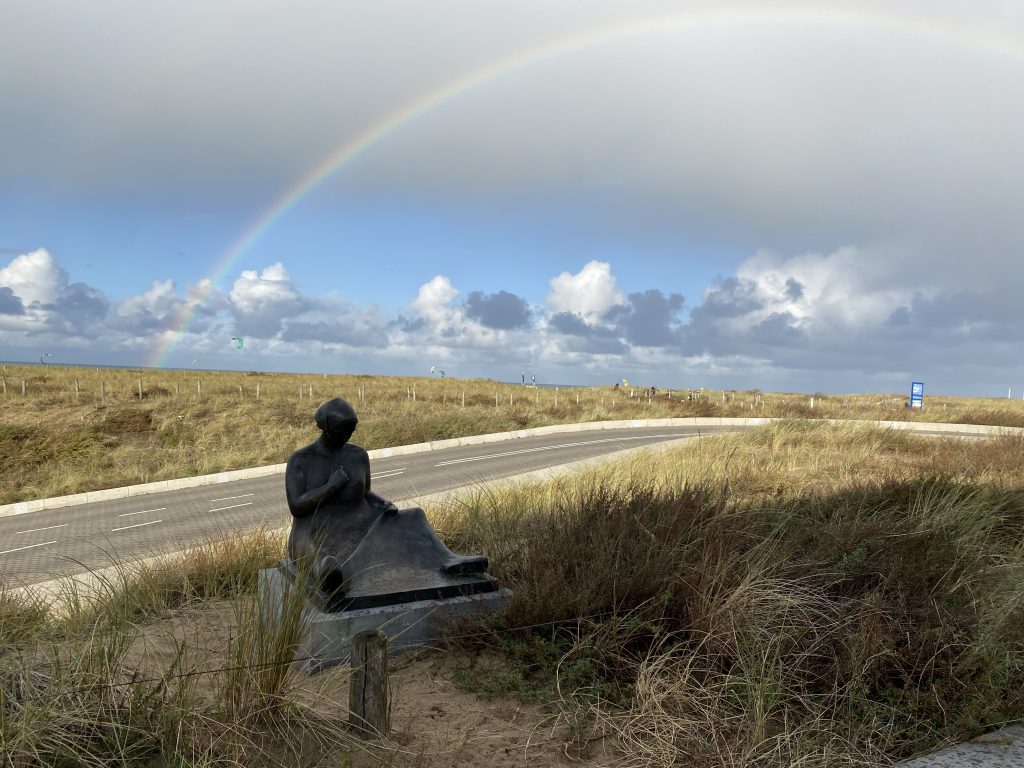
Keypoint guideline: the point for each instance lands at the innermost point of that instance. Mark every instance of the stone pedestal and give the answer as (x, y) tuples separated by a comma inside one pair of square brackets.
[(409, 626)]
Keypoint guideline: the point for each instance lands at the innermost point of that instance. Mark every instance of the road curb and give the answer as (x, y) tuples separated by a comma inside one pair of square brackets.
[(59, 502)]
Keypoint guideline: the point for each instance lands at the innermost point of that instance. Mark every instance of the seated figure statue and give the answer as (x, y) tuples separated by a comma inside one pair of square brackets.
[(356, 549)]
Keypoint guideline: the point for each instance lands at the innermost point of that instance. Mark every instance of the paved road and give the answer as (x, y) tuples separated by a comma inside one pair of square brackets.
[(47, 544)]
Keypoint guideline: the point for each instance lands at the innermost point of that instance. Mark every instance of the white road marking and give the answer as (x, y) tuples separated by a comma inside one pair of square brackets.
[(231, 498), (18, 549), (143, 512), (554, 447), (47, 528), (389, 473), (233, 506), (137, 525)]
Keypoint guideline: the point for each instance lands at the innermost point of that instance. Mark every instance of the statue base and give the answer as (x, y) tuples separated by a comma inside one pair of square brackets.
[(409, 626)]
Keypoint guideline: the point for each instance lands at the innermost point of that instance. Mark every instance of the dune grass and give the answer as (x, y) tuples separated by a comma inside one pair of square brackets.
[(803, 594), (76, 430)]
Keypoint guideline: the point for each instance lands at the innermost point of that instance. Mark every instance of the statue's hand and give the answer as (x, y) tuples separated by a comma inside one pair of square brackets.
[(338, 477), (390, 508)]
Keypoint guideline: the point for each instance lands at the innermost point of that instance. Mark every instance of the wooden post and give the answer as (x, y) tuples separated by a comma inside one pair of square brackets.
[(199, 386), (77, 390), (463, 398), (556, 397), (22, 387), (4, 379), (177, 388), (140, 389), (257, 390), (368, 710), (310, 391), (414, 394), (510, 398), (240, 391), (495, 398), (103, 389), (577, 398)]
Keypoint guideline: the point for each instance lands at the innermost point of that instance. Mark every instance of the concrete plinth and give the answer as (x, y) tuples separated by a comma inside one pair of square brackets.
[(409, 626)]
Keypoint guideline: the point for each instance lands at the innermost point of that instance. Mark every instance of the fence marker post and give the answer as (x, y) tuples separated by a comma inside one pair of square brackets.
[(368, 687), (140, 389)]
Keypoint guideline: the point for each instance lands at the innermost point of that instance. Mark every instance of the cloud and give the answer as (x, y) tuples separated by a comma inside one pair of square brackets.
[(811, 321), (501, 310), (584, 337), (649, 318), (262, 300), (9, 303), (589, 293), (34, 277)]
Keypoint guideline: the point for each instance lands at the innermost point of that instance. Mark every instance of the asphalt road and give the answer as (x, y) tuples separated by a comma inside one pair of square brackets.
[(48, 544)]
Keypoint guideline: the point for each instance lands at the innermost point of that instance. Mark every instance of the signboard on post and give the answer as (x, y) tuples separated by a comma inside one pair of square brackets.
[(917, 394)]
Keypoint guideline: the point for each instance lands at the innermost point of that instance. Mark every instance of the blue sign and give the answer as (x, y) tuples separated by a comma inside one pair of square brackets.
[(917, 394)]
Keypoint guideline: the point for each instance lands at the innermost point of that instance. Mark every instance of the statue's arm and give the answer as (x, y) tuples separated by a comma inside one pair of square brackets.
[(302, 502), (373, 499)]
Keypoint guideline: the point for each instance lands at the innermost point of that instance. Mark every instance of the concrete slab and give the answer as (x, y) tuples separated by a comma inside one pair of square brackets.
[(1000, 749), (409, 626)]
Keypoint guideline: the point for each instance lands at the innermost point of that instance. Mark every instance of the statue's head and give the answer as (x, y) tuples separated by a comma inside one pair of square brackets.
[(337, 420)]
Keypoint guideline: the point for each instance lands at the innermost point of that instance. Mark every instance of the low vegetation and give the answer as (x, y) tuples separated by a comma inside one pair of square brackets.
[(799, 595), (77, 430)]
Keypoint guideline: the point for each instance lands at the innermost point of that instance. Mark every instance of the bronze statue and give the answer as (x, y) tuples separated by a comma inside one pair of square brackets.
[(359, 549)]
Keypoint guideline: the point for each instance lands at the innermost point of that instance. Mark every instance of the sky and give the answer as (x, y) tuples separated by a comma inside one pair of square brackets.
[(789, 196)]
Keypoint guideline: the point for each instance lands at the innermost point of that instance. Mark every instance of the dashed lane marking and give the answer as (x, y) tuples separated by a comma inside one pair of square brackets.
[(47, 528), (143, 512), (555, 447), (137, 525), (231, 498), (233, 506), (30, 546)]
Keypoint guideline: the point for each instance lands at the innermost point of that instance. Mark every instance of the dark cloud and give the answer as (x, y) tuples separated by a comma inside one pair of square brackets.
[(779, 329), (9, 303), (408, 324), (730, 297), (502, 310), (582, 336), (649, 319), (78, 307)]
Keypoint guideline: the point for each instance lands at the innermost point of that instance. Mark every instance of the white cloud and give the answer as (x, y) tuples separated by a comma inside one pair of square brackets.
[(262, 291), (431, 303), (158, 302), (590, 292), (35, 277)]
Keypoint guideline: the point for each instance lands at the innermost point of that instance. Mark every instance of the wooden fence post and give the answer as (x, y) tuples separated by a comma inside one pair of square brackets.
[(463, 398), (22, 387), (77, 390), (140, 389), (369, 713), (103, 389), (257, 390), (4, 379)]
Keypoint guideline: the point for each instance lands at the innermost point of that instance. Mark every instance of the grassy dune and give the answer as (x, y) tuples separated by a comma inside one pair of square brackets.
[(798, 595), (85, 429)]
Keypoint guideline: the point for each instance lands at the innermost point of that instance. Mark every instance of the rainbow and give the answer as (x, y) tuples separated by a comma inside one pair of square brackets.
[(373, 134)]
